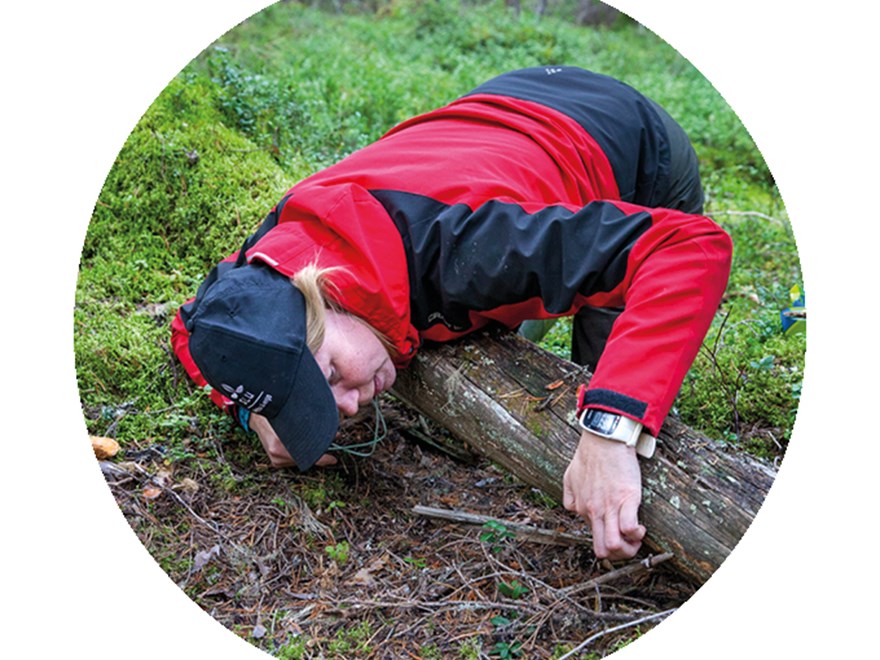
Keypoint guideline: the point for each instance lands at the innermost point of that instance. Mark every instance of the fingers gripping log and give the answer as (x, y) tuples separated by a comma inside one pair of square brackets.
[(513, 402)]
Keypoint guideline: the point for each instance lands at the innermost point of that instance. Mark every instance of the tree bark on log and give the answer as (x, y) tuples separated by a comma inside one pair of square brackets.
[(513, 402)]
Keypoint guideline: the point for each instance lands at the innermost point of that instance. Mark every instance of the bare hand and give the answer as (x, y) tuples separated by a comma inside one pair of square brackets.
[(603, 484), (278, 455)]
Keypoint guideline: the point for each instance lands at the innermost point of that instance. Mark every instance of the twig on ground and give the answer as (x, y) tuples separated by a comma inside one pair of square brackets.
[(629, 569), (437, 606), (526, 532), (215, 528), (589, 640)]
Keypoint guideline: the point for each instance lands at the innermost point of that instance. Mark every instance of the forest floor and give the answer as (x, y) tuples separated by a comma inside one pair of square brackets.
[(335, 563)]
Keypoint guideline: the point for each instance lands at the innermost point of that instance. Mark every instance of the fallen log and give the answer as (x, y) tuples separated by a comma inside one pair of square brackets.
[(513, 402)]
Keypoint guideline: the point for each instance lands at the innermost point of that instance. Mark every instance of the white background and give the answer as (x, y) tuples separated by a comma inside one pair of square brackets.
[(78, 75)]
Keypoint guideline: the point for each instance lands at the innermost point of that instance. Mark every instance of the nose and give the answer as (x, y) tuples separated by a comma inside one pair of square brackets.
[(347, 401)]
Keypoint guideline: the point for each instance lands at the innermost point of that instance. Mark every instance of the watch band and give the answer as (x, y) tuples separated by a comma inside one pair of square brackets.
[(619, 428)]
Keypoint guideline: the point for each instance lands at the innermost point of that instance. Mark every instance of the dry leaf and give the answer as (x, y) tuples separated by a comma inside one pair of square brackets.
[(188, 485), (163, 477), (204, 557), (104, 448), (365, 575), (151, 492)]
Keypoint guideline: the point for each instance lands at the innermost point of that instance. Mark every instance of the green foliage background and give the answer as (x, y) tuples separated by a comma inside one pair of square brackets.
[(294, 89)]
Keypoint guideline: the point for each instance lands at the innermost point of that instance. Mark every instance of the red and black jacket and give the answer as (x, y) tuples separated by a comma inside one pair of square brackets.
[(540, 192)]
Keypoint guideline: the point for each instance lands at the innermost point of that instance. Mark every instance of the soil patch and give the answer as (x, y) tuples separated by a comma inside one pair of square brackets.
[(335, 563)]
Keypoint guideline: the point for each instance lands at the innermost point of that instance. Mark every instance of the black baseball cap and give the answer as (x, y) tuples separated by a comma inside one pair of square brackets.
[(247, 330)]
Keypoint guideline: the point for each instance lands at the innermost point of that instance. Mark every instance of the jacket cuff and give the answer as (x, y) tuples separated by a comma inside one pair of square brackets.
[(611, 401)]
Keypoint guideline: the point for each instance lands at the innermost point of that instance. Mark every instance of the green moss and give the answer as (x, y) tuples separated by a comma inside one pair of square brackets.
[(352, 642), (170, 205)]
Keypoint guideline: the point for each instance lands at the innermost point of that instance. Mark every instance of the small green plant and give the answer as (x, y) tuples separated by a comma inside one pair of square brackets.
[(335, 504), (431, 652), (764, 364), (314, 495), (496, 534), (295, 649), (513, 589), (339, 552), (177, 454), (322, 493), (507, 649), (500, 621), (471, 649), (560, 650), (542, 499)]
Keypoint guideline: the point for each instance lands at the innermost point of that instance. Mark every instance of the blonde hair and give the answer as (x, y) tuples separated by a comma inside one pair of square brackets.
[(317, 286)]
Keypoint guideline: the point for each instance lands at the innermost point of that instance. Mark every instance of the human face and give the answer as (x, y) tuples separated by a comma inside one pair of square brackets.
[(354, 361)]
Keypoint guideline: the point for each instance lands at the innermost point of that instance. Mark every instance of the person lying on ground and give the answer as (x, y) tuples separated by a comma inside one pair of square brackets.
[(545, 192)]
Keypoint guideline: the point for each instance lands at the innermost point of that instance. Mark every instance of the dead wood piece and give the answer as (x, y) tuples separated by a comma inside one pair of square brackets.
[(699, 497), (629, 569), (523, 532), (631, 624)]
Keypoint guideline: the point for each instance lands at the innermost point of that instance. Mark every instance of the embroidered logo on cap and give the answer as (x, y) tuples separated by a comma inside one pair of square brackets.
[(253, 402)]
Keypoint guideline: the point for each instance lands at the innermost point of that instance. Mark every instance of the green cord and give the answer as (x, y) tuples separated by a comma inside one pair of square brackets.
[(380, 431)]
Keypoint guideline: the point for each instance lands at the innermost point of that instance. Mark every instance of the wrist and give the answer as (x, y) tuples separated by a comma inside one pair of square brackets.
[(604, 446)]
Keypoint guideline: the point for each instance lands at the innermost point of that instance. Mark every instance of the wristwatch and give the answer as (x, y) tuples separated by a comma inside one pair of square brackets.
[(619, 428)]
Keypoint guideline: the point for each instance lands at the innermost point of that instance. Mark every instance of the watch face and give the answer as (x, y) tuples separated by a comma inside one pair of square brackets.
[(603, 423)]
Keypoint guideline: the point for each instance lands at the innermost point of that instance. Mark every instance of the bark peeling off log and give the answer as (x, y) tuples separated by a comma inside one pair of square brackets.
[(491, 392)]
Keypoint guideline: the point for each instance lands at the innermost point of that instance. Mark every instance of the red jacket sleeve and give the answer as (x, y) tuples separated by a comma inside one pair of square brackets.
[(676, 275)]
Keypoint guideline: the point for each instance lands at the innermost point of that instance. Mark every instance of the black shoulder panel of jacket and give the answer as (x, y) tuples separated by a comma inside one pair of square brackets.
[(620, 119), (462, 260)]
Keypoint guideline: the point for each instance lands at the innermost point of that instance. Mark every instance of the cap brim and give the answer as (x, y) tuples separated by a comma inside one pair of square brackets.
[(248, 336), (309, 420)]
